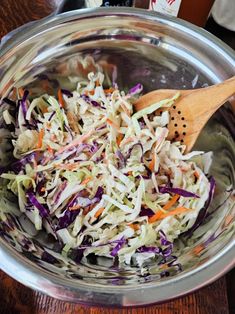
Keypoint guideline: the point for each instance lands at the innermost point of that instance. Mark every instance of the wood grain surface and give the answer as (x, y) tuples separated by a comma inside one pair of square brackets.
[(15, 298), (217, 298)]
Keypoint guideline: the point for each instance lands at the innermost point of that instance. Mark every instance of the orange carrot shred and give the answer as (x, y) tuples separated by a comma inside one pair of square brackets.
[(109, 90), (99, 212), (168, 205), (119, 139), (68, 166), (228, 220), (128, 140), (50, 149), (40, 138), (113, 124), (75, 142), (87, 209), (152, 164), (60, 98), (134, 226), (75, 207), (196, 174), (21, 92), (43, 189), (85, 181), (197, 250), (171, 202), (176, 211)]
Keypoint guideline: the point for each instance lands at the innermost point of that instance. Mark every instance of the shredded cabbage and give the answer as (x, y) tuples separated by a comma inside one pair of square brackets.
[(102, 178)]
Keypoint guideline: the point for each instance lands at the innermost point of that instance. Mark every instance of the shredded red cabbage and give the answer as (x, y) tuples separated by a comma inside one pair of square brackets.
[(146, 212), (67, 219), (23, 102), (121, 159), (119, 245), (76, 255), (43, 211), (182, 192), (203, 212), (59, 192), (18, 165), (136, 89), (47, 257), (131, 149), (99, 193), (66, 92), (148, 249)]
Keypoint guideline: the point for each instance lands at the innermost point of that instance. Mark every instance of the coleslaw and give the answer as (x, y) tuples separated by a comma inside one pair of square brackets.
[(102, 178)]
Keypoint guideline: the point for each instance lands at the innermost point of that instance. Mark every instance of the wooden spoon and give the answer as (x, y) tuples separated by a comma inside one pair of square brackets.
[(191, 110)]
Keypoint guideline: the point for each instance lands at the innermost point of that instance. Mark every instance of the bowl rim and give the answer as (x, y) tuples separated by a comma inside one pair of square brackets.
[(75, 290)]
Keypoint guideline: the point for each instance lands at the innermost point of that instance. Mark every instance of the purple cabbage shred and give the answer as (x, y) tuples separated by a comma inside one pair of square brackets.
[(47, 257), (181, 192), (136, 89), (99, 193), (66, 92), (22, 102), (33, 200), (146, 212), (203, 212), (148, 249), (119, 245)]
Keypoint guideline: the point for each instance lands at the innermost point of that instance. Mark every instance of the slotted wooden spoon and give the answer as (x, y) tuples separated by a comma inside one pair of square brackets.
[(191, 110)]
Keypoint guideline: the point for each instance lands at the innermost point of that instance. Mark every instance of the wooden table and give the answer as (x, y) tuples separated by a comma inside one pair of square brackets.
[(15, 298)]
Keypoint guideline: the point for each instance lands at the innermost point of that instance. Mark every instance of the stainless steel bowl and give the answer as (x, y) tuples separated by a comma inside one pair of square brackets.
[(159, 52)]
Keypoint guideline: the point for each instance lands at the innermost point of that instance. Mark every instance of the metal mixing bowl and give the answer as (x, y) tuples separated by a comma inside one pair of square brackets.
[(159, 52)]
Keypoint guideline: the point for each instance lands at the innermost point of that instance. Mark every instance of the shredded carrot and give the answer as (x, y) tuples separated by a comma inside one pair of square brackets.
[(130, 173), (44, 109), (75, 207), (196, 174), (75, 142), (60, 98), (152, 163), (113, 124), (164, 266), (21, 92), (228, 220), (97, 83), (128, 140), (134, 226), (40, 138), (68, 166), (88, 209), (43, 189), (50, 150), (127, 111), (171, 202), (119, 139), (176, 211), (99, 212), (85, 181), (168, 205), (109, 90), (197, 250)]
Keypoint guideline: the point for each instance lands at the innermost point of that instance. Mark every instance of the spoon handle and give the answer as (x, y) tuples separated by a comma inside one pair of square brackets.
[(209, 99)]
